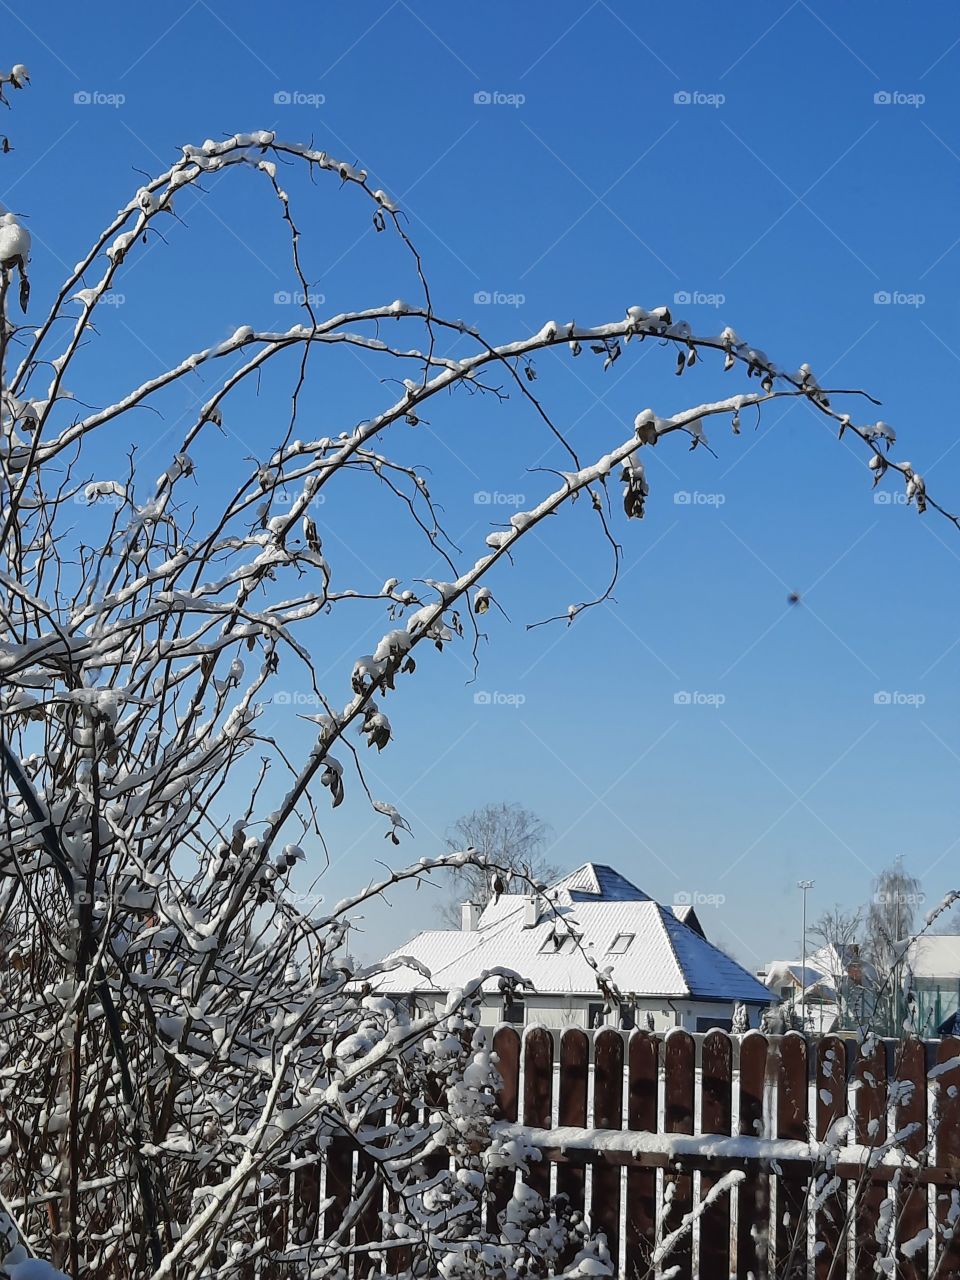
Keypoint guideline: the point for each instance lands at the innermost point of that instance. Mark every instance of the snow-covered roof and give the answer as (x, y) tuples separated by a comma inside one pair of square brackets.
[(649, 950), (935, 955)]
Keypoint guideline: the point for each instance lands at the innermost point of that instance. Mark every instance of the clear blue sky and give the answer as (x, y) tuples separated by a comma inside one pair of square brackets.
[(785, 188)]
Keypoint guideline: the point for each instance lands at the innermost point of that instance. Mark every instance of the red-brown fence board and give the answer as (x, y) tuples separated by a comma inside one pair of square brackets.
[(791, 1205), (607, 1114), (716, 1116), (506, 1045), (538, 1098), (948, 1155), (643, 1066), (870, 1128), (753, 1196), (572, 1111), (679, 1057), (830, 1103), (911, 1112)]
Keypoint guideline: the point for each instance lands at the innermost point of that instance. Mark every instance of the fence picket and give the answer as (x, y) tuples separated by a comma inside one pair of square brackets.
[(716, 1115), (870, 1112), (538, 1098), (642, 1097), (791, 1240), (910, 1068), (831, 1106), (753, 1197), (679, 1054), (948, 1156), (506, 1045), (572, 1111), (607, 1114)]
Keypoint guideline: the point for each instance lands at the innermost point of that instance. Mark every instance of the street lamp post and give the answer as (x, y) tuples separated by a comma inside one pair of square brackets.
[(804, 886)]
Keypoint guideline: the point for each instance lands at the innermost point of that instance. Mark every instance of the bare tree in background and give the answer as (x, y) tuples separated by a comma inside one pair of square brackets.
[(891, 921), (839, 938), (511, 837), (182, 1043)]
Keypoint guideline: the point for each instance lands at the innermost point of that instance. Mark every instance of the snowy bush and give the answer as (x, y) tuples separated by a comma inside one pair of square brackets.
[(177, 1034)]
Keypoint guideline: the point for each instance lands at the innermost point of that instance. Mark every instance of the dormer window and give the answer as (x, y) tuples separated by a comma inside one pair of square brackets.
[(621, 944), (558, 943)]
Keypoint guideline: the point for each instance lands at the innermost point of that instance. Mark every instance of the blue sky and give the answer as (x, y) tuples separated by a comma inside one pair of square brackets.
[(792, 171)]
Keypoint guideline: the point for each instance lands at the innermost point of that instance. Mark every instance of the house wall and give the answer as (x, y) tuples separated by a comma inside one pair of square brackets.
[(573, 1011)]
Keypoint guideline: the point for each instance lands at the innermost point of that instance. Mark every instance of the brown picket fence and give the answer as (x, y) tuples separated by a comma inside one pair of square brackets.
[(637, 1130), (631, 1128)]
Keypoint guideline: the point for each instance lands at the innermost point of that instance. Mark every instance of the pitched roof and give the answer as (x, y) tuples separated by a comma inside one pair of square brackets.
[(649, 950)]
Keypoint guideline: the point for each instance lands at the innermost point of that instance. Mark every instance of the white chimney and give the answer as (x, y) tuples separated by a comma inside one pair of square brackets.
[(469, 915), (531, 913)]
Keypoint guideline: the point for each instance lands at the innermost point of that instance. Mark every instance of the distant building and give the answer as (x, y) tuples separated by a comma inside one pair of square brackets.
[(931, 984), (667, 972), (834, 990)]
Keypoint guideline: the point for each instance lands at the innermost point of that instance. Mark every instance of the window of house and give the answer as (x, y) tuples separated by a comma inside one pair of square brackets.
[(785, 992), (595, 1015), (515, 1011), (621, 944), (558, 942), (628, 1017)]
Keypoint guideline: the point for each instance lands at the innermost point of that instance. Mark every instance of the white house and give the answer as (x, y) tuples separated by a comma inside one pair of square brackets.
[(658, 958), (835, 990), (931, 980)]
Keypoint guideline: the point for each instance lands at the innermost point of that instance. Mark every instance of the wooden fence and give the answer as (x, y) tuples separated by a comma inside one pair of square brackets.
[(639, 1129), (788, 1214)]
